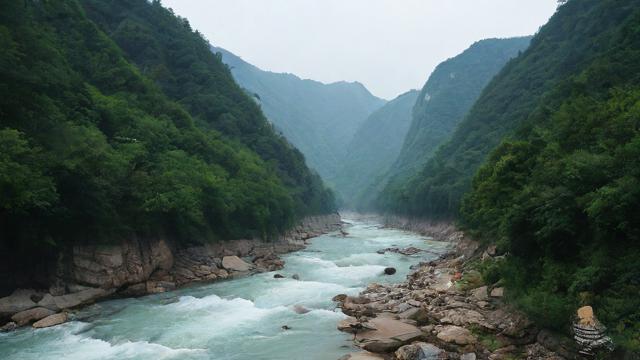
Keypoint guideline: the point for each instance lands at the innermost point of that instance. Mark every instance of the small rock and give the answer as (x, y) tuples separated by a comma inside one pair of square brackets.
[(420, 351), (10, 326), (468, 356), (299, 309), (339, 298), (51, 320), (286, 327), (389, 271), (497, 292), (278, 276), (295, 277)]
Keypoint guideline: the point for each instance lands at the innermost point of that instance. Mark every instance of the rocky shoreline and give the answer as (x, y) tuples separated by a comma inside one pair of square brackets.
[(86, 274), (444, 311)]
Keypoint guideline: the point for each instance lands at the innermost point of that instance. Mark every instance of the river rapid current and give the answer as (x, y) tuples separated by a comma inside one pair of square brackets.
[(239, 319)]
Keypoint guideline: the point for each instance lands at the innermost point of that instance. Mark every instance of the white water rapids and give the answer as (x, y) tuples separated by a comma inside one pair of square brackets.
[(239, 319)]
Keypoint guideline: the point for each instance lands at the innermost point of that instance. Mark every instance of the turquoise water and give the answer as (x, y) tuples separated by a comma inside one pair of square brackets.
[(239, 319)]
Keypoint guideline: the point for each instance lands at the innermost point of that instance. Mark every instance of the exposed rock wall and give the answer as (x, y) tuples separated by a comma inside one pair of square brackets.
[(86, 273)]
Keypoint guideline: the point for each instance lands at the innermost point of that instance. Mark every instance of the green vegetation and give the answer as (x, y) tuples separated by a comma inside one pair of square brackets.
[(444, 100), (181, 63), (319, 119), (99, 142), (545, 165)]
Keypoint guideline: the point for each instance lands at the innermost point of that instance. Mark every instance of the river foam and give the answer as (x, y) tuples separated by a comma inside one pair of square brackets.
[(240, 319)]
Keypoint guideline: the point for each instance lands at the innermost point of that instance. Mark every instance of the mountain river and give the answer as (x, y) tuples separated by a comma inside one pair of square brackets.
[(239, 319)]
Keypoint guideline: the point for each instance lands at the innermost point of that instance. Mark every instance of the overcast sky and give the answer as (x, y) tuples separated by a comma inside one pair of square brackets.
[(390, 46)]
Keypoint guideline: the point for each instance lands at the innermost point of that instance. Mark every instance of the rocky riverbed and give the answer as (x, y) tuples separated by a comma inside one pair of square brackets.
[(444, 311), (86, 274)]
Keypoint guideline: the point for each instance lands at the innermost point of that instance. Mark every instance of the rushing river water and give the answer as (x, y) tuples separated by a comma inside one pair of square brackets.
[(239, 319)]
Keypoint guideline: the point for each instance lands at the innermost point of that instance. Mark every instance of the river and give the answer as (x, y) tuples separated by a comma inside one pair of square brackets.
[(239, 319)]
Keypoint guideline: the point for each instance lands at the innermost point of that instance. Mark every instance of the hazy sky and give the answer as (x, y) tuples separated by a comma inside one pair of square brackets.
[(390, 46)]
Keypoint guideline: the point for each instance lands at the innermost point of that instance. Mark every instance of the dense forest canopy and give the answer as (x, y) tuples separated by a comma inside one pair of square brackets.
[(180, 62), (136, 130), (562, 194), (545, 164)]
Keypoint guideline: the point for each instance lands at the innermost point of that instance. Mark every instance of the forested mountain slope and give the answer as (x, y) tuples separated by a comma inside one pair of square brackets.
[(445, 99), (562, 48), (562, 194), (319, 119), (92, 150), (374, 148), (180, 62)]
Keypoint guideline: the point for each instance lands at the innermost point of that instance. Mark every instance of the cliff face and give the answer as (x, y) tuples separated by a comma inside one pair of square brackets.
[(86, 273)]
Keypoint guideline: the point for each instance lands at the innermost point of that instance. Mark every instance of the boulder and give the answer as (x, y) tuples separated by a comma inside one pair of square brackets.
[(51, 320), (295, 277), (480, 294), (420, 351), (456, 335), (350, 325), (80, 298), (389, 271), (497, 292), (234, 263), (48, 302), (387, 335), (278, 276), (28, 316), (468, 356), (19, 300)]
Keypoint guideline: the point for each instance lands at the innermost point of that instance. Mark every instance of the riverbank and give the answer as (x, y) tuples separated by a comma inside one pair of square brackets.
[(284, 314), (86, 274), (443, 310)]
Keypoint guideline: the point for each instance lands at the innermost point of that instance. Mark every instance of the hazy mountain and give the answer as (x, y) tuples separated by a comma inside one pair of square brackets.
[(319, 119), (374, 148)]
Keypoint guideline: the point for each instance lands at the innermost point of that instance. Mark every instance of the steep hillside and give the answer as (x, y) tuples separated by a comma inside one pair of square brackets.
[(374, 148), (92, 151), (180, 62), (562, 194), (445, 99), (562, 48), (319, 119)]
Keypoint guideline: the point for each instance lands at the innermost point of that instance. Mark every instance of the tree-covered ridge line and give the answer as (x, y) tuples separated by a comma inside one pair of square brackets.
[(445, 99), (562, 195), (95, 148), (545, 165), (180, 62)]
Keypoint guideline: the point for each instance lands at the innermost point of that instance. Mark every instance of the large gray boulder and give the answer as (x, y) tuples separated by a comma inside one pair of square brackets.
[(28, 316), (52, 320), (19, 300), (81, 298), (234, 263)]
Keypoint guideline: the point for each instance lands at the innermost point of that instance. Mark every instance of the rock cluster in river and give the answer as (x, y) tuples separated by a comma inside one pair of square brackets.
[(429, 317), (88, 273)]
